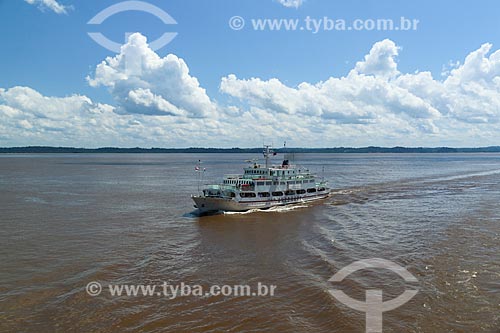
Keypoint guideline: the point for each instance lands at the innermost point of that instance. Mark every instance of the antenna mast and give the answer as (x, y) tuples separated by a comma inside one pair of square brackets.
[(267, 153)]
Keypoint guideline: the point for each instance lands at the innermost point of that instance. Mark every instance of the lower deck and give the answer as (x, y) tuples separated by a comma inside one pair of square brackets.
[(212, 204)]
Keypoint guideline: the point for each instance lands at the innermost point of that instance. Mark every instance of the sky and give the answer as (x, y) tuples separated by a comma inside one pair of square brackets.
[(224, 76)]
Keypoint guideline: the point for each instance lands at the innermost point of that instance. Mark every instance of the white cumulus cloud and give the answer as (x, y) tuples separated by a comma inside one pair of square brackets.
[(159, 103), (368, 95), (142, 82), (52, 5), (291, 3), (380, 61), (29, 118), (401, 107)]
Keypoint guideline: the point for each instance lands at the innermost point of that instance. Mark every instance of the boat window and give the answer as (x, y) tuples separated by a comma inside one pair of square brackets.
[(277, 194), (247, 187), (268, 183), (311, 190), (264, 194), (247, 195), (276, 183), (321, 189), (301, 191), (260, 183), (289, 192)]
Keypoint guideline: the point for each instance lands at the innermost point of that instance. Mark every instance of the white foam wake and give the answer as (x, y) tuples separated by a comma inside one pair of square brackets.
[(275, 209)]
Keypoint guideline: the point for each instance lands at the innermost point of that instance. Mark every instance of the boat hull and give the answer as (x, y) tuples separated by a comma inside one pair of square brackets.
[(216, 204)]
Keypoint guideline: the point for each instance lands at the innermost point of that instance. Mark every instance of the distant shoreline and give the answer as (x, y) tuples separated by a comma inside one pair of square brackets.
[(336, 150)]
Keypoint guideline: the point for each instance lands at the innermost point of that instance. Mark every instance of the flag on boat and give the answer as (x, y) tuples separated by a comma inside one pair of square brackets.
[(197, 167)]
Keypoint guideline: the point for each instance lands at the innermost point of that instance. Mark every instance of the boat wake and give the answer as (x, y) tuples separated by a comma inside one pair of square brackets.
[(276, 209), (286, 208), (464, 176)]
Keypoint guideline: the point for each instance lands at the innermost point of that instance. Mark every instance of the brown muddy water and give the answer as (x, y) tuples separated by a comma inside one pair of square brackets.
[(68, 220)]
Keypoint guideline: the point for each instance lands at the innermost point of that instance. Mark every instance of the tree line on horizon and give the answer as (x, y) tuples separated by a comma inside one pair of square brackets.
[(371, 149)]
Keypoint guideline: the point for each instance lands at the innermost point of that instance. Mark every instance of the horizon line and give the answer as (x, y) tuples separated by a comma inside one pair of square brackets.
[(137, 148)]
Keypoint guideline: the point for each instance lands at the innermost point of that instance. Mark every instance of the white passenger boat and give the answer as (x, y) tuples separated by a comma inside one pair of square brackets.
[(262, 187)]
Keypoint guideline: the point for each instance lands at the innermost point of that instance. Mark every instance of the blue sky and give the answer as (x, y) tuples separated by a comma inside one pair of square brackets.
[(249, 81)]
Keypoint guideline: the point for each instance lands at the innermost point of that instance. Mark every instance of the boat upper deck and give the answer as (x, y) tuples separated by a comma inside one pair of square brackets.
[(256, 173)]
